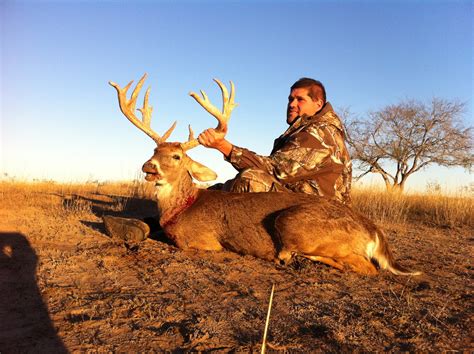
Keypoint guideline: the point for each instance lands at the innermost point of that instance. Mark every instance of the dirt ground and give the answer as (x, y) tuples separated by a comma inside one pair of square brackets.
[(66, 287)]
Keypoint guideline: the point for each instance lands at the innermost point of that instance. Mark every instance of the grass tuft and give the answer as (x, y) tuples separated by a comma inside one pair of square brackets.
[(445, 210)]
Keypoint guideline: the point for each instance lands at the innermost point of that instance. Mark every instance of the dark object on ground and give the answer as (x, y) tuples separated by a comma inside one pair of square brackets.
[(132, 231)]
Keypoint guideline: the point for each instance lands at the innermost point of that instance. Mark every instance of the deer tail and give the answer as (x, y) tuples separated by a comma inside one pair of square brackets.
[(380, 252)]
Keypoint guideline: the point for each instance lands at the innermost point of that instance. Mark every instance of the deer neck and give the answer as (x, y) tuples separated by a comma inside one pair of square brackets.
[(173, 199)]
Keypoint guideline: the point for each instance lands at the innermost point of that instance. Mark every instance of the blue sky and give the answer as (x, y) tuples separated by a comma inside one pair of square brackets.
[(60, 118)]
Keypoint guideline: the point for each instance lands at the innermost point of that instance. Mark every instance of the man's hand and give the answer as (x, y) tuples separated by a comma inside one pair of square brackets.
[(215, 140), (211, 138)]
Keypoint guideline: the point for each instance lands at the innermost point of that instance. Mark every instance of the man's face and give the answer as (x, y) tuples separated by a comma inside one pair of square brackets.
[(300, 103)]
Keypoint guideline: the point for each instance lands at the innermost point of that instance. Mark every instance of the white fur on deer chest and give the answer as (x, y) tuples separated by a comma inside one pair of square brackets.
[(163, 191)]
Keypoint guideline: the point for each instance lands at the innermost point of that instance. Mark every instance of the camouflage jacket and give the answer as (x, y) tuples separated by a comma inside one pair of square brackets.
[(309, 157)]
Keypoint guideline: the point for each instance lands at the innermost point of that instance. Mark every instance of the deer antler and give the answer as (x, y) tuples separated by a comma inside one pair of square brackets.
[(128, 109), (222, 116)]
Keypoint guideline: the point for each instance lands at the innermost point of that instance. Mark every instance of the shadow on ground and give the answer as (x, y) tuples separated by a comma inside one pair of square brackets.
[(22, 311)]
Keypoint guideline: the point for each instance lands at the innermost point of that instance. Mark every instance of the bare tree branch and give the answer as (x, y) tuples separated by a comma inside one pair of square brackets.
[(410, 135)]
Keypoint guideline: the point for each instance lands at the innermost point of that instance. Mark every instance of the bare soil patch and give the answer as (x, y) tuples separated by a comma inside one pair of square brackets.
[(67, 287)]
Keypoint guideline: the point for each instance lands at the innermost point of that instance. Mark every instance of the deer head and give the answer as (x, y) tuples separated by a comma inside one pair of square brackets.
[(170, 162)]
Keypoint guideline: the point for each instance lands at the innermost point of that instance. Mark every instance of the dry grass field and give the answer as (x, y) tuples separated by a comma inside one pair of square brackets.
[(67, 287)]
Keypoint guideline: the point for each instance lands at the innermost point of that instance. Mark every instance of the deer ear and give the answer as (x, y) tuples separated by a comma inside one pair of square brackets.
[(201, 172)]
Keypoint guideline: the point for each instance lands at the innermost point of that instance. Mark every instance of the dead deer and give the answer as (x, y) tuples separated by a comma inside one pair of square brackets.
[(273, 226)]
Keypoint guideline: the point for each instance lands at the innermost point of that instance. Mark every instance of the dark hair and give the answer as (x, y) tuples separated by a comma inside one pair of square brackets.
[(315, 88)]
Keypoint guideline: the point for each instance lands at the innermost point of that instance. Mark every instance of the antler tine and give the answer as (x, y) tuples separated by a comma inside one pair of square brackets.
[(168, 132), (128, 109), (136, 91), (146, 110), (205, 103), (192, 142), (227, 102), (191, 133), (227, 105)]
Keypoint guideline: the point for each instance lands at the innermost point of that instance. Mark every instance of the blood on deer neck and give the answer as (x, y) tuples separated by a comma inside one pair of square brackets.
[(174, 197)]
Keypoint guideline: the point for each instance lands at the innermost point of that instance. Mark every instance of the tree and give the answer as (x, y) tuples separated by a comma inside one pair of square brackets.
[(410, 135)]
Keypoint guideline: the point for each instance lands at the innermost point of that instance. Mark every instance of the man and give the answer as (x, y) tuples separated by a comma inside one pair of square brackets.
[(309, 157)]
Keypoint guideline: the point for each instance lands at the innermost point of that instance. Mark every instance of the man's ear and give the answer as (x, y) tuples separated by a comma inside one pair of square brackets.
[(320, 104), (200, 172)]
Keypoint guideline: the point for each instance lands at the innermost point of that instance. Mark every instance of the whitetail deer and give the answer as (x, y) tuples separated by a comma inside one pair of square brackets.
[(273, 226)]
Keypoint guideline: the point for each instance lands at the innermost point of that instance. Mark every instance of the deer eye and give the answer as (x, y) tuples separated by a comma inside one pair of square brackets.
[(176, 157)]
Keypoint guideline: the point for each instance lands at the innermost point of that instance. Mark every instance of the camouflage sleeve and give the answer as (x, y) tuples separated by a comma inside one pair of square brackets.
[(242, 159), (312, 150)]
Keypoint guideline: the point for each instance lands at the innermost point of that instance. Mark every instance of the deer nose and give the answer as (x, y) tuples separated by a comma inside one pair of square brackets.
[(149, 167)]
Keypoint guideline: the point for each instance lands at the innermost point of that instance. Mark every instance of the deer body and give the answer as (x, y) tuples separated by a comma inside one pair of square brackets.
[(273, 226), (268, 225)]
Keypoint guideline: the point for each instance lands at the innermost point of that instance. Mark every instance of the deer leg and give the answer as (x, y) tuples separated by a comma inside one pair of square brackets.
[(329, 261), (360, 264)]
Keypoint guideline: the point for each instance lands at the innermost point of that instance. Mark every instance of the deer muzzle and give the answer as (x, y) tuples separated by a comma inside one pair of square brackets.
[(151, 171)]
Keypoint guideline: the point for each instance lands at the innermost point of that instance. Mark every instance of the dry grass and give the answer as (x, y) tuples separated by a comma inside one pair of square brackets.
[(138, 189), (433, 208), (33, 194), (452, 210)]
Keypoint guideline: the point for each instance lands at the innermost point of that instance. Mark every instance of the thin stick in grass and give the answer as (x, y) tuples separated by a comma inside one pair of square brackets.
[(267, 322)]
